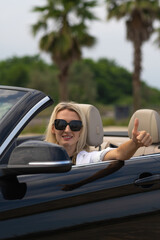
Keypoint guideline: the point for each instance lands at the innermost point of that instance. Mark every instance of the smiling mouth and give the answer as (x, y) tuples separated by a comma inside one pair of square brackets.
[(67, 137)]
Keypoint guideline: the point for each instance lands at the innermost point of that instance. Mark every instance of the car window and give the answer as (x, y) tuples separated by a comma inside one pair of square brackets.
[(38, 125), (8, 98)]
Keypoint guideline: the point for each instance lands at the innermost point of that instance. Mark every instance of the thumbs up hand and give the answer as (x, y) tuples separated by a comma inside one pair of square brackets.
[(140, 138)]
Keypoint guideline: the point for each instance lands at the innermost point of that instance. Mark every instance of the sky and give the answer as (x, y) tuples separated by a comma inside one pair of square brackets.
[(16, 39)]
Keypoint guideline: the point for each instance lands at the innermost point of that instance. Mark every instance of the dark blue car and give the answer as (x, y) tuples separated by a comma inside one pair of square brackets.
[(44, 196)]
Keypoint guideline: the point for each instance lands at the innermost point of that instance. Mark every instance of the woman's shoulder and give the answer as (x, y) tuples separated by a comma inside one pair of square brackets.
[(82, 153)]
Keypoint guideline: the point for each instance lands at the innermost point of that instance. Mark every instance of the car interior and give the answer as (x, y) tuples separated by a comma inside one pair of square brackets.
[(149, 120)]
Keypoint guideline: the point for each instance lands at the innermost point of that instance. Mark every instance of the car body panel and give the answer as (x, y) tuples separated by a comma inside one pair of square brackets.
[(109, 198)]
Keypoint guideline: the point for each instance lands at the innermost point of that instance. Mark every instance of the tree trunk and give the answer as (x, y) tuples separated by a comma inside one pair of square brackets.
[(63, 85), (136, 76)]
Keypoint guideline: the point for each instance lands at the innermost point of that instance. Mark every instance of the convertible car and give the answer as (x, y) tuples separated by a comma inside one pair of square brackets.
[(44, 196)]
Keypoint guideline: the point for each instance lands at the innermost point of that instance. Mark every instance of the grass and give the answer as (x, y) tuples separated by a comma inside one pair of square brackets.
[(114, 122)]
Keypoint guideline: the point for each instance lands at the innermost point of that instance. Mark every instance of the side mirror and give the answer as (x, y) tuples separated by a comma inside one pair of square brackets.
[(33, 157)]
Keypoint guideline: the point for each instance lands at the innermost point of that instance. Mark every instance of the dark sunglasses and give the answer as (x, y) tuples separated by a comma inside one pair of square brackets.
[(75, 125)]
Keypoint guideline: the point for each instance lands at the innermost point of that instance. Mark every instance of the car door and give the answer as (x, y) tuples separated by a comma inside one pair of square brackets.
[(84, 196)]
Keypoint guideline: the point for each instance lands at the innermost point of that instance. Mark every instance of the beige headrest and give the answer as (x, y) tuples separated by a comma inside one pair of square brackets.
[(149, 120), (94, 124)]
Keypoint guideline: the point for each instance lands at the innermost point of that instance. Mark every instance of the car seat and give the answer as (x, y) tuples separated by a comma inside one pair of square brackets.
[(149, 120), (94, 125)]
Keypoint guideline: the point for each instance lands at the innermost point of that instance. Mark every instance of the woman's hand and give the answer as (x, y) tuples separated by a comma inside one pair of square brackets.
[(140, 138)]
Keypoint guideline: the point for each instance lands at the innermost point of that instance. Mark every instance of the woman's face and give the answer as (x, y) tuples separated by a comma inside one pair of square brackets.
[(67, 138)]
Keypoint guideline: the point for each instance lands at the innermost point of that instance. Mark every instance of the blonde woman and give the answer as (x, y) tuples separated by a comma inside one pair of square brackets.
[(67, 127)]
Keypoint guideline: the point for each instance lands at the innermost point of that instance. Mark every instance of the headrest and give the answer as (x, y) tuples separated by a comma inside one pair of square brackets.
[(94, 124), (149, 120)]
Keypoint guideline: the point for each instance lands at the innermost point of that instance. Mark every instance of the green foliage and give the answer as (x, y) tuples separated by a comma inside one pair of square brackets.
[(113, 122), (150, 96), (82, 87), (102, 82), (108, 121), (13, 72), (31, 72), (113, 82)]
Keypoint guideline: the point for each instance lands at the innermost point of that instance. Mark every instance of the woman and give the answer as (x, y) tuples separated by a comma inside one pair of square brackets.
[(67, 127)]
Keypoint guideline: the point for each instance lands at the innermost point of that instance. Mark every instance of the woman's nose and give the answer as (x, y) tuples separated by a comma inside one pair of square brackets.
[(67, 129)]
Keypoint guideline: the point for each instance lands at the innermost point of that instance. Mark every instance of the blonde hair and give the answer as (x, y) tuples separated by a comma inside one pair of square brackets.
[(50, 137)]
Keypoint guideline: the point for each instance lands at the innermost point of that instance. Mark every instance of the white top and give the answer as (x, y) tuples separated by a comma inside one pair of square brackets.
[(85, 157)]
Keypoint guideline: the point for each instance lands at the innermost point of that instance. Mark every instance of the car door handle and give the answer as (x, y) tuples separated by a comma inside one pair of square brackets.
[(150, 180)]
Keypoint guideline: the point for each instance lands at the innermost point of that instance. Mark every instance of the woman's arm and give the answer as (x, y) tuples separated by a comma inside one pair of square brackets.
[(127, 149)]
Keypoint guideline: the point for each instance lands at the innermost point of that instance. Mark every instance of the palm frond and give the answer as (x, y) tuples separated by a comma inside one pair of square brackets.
[(38, 26)]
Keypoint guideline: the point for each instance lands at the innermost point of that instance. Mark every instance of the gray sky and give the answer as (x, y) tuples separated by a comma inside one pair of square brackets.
[(16, 39)]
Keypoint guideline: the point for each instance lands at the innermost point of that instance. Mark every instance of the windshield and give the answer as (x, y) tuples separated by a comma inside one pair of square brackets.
[(8, 98)]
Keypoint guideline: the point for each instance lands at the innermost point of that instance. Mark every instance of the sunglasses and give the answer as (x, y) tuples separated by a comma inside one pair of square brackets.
[(75, 125)]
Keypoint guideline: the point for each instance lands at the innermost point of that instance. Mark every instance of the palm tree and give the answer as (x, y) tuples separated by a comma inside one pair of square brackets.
[(65, 33), (140, 16)]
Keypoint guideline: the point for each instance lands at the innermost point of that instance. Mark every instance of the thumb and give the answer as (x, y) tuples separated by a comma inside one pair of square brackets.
[(135, 128)]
